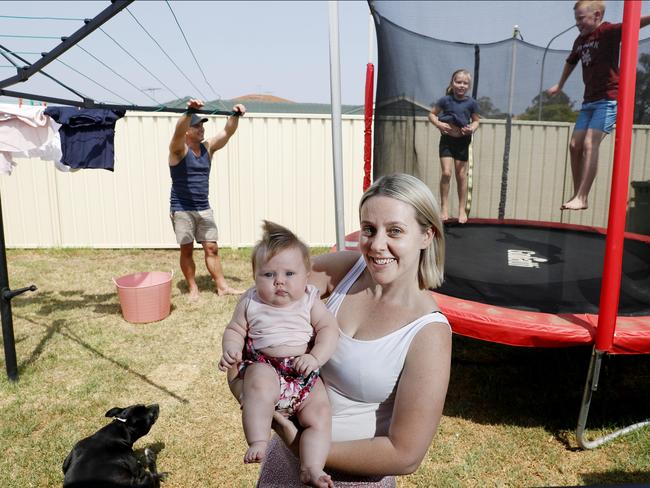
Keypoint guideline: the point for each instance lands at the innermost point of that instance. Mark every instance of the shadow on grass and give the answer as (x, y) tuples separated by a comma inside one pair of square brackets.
[(59, 327), (617, 478), (48, 302), (205, 283), (496, 384)]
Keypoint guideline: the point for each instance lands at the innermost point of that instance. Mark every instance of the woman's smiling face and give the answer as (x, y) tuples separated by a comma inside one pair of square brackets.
[(391, 239)]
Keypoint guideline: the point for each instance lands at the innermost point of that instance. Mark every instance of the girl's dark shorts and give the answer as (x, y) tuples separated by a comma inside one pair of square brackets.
[(454, 147)]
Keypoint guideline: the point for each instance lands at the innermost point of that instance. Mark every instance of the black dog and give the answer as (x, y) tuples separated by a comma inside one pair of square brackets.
[(106, 460)]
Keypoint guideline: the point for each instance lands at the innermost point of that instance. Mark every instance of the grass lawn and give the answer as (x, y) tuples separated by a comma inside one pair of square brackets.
[(508, 420)]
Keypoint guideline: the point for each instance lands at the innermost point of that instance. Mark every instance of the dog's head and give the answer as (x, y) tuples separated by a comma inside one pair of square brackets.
[(138, 419)]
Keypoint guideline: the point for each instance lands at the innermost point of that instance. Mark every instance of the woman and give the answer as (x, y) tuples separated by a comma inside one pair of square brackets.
[(388, 378)]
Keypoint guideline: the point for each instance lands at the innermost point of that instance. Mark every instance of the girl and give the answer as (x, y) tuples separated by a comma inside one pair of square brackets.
[(388, 378), (456, 115), (275, 321)]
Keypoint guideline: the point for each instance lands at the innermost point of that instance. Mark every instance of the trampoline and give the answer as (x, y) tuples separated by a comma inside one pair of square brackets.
[(519, 283), (537, 284)]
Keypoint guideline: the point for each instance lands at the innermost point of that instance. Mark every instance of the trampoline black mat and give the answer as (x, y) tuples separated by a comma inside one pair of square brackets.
[(541, 269)]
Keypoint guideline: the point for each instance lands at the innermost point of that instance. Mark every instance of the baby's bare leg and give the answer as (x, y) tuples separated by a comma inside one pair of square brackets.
[(316, 418), (261, 393)]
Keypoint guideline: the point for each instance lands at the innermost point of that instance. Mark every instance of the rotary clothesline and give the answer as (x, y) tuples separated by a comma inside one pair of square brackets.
[(23, 73), (28, 69)]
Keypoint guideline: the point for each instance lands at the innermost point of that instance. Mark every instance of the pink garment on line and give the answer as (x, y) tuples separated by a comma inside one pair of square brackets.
[(26, 132)]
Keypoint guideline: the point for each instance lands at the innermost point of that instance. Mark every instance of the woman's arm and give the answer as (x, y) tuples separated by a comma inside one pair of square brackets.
[(328, 269), (418, 408)]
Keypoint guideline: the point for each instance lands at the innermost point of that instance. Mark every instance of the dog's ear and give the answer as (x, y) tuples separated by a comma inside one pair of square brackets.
[(114, 412)]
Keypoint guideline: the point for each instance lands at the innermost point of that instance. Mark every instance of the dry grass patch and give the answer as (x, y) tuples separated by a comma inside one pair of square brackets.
[(508, 420)]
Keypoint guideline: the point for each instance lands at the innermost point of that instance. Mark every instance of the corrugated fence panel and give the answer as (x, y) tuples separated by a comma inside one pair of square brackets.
[(538, 156), (279, 167), (29, 205)]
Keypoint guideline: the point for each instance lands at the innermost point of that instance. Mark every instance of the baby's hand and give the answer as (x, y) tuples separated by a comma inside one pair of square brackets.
[(229, 360), (305, 364)]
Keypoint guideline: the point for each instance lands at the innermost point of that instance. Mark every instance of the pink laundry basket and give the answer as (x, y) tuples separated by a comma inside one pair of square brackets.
[(145, 297)]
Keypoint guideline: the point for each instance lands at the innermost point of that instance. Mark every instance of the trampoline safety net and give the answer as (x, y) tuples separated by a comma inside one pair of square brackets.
[(509, 78)]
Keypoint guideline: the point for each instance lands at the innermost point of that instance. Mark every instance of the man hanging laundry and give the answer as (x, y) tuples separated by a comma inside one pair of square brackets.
[(190, 160), (87, 136)]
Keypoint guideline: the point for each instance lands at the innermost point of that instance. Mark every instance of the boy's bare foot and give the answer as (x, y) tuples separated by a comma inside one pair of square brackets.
[(574, 204), (229, 291), (315, 477), (255, 453), (462, 218)]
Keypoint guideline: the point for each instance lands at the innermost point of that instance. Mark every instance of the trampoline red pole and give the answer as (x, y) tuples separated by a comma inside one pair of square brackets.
[(610, 290), (367, 132)]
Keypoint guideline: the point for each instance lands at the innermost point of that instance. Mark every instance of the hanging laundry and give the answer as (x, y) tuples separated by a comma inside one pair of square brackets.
[(26, 132), (87, 136)]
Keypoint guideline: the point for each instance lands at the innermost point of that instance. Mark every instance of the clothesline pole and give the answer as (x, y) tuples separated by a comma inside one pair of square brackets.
[(6, 294), (5, 310)]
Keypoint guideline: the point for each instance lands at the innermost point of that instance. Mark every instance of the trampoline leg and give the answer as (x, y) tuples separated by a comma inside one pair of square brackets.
[(591, 385)]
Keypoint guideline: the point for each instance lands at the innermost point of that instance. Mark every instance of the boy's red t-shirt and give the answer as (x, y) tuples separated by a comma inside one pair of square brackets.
[(598, 53)]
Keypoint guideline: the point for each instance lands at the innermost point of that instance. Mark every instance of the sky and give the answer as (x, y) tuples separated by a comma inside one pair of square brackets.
[(244, 47)]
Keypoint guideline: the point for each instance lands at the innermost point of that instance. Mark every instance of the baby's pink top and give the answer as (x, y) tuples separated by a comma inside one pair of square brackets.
[(274, 326)]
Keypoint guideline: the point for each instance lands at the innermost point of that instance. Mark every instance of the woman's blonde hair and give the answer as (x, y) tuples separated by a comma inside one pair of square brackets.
[(450, 87), (276, 238), (412, 191)]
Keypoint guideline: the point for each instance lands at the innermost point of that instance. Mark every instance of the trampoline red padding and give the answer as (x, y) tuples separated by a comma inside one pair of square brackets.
[(537, 284)]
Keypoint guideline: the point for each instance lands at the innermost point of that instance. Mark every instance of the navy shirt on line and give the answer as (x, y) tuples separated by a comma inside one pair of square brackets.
[(87, 136)]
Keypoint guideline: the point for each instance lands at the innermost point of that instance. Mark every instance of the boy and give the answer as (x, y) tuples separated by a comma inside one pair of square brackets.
[(597, 47)]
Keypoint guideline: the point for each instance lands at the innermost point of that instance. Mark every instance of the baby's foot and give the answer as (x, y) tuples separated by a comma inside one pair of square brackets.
[(255, 453), (315, 477), (462, 218)]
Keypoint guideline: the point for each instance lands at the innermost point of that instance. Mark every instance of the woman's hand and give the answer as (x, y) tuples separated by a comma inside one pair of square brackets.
[(287, 431)]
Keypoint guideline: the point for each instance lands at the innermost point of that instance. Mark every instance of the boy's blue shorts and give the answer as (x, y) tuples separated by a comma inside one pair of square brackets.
[(599, 115)]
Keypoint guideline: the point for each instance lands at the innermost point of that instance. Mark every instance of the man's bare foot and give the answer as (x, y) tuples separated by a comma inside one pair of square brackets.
[(229, 291), (462, 218), (315, 477), (255, 453), (574, 204), (193, 296)]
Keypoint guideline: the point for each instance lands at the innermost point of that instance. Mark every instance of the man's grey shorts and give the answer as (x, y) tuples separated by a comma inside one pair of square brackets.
[(190, 225)]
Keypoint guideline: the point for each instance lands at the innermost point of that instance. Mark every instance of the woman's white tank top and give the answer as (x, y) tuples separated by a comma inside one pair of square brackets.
[(361, 377)]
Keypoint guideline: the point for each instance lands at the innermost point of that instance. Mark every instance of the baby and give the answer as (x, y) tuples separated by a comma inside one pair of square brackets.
[(275, 321)]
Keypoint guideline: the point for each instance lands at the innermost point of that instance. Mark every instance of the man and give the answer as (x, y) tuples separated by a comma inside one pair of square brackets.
[(190, 160)]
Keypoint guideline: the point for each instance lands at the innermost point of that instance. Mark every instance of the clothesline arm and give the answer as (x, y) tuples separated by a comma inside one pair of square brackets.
[(89, 103)]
